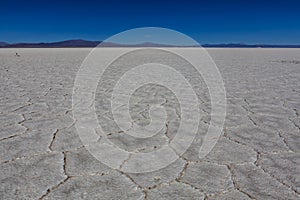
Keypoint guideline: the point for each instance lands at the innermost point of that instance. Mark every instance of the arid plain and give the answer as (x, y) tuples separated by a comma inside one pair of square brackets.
[(256, 157)]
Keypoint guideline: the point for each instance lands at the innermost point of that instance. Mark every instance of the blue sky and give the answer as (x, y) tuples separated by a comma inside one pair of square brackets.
[(215, 21)]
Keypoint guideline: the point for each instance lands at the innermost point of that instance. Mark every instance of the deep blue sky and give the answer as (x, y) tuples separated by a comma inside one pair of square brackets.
[(271, 22)]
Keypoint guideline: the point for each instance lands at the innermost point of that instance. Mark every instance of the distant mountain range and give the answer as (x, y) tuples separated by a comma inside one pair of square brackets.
[(86, 43), (3, 44)]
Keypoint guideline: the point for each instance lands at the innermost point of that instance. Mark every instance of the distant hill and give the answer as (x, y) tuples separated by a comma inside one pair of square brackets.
[(3, 44), (61, 44), (79, 43), (146, 44)]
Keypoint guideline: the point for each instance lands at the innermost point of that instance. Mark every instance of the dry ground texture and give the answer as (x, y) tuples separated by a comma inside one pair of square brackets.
[(256, 157)]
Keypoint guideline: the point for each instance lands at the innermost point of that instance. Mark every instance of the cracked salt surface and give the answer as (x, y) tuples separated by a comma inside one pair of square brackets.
[(257, 156)]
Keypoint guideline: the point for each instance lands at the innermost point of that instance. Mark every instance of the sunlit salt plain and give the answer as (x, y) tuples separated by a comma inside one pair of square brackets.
[(257, 155)]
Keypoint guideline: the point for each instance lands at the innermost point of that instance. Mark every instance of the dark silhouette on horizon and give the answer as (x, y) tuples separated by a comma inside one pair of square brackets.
[(79, 43)]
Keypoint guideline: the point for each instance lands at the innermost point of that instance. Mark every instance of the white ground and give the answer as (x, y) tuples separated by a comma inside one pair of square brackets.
[(257, 156)]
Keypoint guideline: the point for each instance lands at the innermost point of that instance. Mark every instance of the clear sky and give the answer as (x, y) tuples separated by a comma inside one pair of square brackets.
[(215, 21)]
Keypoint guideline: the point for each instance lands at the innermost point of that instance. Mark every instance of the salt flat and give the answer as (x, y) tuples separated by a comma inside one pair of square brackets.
[(257, 155)]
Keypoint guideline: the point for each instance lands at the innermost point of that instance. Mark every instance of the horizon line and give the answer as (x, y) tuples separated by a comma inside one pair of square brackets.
[(94, 43)]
